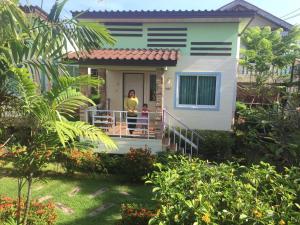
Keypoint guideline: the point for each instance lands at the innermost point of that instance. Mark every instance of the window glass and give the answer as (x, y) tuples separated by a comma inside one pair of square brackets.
[(152, 87), (187, 90), (196, 90)]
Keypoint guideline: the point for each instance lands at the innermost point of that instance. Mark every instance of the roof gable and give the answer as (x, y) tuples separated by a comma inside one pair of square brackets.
[(241, 5)]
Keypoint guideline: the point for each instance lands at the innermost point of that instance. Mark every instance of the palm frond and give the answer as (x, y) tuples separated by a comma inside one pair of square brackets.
[(77, 82), (69, 100), (68, 130), (12, 20)]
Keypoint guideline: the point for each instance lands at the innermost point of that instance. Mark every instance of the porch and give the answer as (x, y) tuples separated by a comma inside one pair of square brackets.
[(142, 70), (157, 132), (116, 123)]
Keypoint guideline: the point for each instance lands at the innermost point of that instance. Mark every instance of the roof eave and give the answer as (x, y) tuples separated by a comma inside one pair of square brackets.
[(117, 62)]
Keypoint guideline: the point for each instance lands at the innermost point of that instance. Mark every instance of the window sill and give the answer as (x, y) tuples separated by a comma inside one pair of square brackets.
[(200, 108)]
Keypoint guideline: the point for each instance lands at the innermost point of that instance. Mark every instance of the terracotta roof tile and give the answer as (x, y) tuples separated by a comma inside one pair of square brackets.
[(128, 54)]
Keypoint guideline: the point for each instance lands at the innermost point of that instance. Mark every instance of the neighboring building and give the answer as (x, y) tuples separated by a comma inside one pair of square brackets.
[(183, 64), (262, 17), (33, 10)]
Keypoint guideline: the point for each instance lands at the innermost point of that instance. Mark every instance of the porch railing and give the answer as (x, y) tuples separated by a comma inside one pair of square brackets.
[(178, 136), (119, 123)]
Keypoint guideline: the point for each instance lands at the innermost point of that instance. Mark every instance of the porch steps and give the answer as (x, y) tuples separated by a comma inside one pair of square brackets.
[(178, 137)]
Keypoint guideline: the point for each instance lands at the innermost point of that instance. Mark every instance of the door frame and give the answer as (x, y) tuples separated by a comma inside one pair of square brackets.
[(123, 85)]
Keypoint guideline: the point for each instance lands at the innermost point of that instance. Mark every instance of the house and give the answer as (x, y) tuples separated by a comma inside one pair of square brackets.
[(262, 18), (183, 64)]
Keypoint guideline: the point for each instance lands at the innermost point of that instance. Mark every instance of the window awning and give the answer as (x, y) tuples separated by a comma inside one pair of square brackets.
[(127, 57)]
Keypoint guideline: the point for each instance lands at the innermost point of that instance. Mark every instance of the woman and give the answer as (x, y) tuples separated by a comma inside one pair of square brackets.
[(130, 105)]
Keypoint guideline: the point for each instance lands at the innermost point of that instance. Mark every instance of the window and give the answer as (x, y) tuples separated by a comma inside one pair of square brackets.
[(198, 90), (152, 87), (73, 69)]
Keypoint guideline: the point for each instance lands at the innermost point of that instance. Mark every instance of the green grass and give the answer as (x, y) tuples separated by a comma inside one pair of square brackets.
[(60, 185)]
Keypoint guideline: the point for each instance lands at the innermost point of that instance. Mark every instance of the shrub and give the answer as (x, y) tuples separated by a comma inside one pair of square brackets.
[(216, 145), (40, 213), (270, 134), (138, 163), (163, 157), (133, 214), (197, 192), (113, 164), (81, 161)]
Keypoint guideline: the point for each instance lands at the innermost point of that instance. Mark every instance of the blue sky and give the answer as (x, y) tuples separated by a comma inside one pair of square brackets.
[(276, 7)]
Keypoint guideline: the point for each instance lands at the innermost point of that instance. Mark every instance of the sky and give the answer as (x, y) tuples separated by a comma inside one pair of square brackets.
[(278, 8)]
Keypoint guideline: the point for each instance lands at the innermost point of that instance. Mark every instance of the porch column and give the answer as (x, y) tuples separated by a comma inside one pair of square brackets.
[(159, 103), (86, 91), (102, 88)]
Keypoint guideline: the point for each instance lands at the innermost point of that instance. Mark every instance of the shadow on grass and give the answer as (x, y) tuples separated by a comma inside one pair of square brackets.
[(137, 193), (60, 184)]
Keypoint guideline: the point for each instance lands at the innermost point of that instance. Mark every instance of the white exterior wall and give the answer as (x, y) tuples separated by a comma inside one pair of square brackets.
[(203, 119), (200, 118)]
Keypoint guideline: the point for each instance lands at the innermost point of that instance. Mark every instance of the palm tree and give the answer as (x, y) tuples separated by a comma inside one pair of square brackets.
[(40, 122), (41, 44)]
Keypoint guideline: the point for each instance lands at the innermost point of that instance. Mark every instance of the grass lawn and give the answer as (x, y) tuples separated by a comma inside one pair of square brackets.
[(59, 186)]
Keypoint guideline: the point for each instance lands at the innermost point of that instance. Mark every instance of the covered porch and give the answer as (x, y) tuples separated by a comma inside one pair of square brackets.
[(122, 70)]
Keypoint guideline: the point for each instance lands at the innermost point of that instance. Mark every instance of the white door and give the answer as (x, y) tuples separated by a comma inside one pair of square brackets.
[(134, 81)]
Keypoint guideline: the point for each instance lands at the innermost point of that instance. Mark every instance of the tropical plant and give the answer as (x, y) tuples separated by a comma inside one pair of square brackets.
[(199, 193), (40, 44), (35, 125)]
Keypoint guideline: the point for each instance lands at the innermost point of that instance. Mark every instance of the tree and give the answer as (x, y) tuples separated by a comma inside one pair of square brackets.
[(265, 48), (35, 125)]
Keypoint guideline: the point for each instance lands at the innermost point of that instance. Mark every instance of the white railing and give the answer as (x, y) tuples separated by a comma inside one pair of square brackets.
[(119, 123), (245, 71), (177, 135)]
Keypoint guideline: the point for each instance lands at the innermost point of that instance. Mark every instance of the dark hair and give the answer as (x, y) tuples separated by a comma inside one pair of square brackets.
[(129, 93), (145, 105)]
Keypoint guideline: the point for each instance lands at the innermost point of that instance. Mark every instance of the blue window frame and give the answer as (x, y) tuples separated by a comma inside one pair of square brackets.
[(198, 90)]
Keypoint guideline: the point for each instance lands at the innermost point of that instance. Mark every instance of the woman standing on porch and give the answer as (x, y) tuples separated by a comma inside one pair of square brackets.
[(130, 105)]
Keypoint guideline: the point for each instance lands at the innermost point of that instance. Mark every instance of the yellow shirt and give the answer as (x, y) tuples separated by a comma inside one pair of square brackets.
[(130, 105)]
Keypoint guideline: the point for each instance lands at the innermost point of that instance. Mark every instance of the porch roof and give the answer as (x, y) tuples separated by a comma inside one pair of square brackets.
[(138, 57)]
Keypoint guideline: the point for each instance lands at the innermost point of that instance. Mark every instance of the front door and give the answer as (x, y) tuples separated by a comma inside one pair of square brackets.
[(134, 81)]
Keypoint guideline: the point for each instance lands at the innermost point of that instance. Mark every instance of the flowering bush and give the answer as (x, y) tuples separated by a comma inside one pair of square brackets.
[(138, 163), (81, 161), (133, 214), (198, 193), (40, 213)]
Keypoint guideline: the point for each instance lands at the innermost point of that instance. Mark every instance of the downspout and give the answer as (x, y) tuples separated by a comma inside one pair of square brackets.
[(237, 71), (252, 18)]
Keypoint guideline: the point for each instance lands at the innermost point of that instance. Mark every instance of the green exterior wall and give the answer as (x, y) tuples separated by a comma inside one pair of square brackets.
[(196, 32)]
